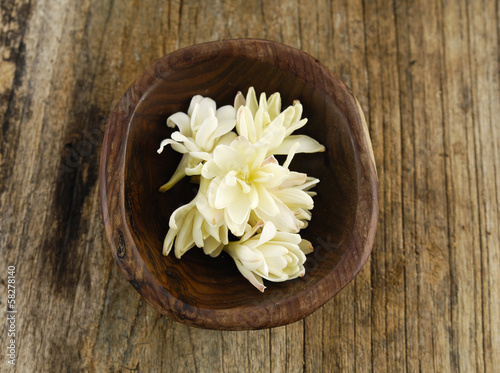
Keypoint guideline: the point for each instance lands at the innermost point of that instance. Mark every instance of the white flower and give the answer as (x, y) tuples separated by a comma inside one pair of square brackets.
[(243, 189), (264, 121), (273, 255), (241, 176), (249, 187), (200, 130), (196, 224), (294, 201)]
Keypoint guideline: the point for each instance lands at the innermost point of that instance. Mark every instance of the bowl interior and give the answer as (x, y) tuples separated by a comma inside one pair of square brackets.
[(202, 281)]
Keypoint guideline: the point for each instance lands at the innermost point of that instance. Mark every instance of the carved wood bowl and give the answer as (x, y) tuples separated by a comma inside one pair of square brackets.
[(201, 291)]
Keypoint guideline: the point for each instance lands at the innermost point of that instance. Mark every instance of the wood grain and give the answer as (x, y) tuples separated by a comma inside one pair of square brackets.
[(427, 76)]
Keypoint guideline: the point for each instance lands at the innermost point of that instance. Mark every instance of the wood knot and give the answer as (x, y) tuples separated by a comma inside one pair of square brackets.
[(122, 248)]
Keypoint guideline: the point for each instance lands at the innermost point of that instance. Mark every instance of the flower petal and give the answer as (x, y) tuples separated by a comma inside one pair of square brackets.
[(271, 249), (217, 251), (210, 170), (239, 100), (300, 273), (274, 105), (261, 120), (303, 214), (204, 156), (204, 135), (239, 210), (290, 155), (196, 170), (188, 142), (224, 126), (251, 259), (230, 179), (169, 241), (310, 183), (268, 233), (212, 189), (254, 197), (279, 174), (224, 234), (295, 126), (226, 139), (288, 114), (251, 232), (251, 100), (181, 120), (276, 264), (197, 231), (178, 216), (195, 100), (255, 156), (245, 125), (212, 217), (226, 194), (210, 246), (275, 277), (204, 109), (226, 112), (306, 247), (286, 238), (185, 240), (274, 134), (211, 229), (294, 179), (298, 111), (294, 197), (285, 220), (254, 279), (175, 145), (307, 145), (227, 158), (266, 202)]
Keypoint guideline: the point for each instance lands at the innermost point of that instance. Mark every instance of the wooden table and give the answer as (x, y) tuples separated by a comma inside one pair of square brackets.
[(426, 74)]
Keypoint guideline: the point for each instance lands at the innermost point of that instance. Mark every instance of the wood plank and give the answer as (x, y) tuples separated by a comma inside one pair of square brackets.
[(345, 322), (388, 331), (358, 81), (483, 19), (295, 347), (259, 350), (313, 342), (431, 205), (461, 189), (277, 349), (337, 319), (408, 29)]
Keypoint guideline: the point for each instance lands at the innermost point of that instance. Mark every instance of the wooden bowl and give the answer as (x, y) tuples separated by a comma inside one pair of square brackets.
[(210, 293)]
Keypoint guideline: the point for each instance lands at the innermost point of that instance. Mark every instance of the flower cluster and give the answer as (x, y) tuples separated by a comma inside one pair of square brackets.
[(244, 192)]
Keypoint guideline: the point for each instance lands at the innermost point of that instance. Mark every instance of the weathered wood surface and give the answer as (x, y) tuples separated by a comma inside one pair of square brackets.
[(427, 75)]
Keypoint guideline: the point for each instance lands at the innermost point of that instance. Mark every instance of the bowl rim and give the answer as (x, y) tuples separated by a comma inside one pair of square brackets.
[(120, 239)]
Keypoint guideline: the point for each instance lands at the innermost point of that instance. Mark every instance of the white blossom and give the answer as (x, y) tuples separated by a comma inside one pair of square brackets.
[(273, 255), (199, 131), (294, 200), (243, 189), (265, 122), (241, 179), (196, 224)]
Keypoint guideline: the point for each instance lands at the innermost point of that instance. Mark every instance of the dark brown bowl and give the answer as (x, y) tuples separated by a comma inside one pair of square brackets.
[(205, 292)]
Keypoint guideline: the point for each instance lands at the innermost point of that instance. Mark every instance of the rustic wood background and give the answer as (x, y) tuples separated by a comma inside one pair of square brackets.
[(426, 74)]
